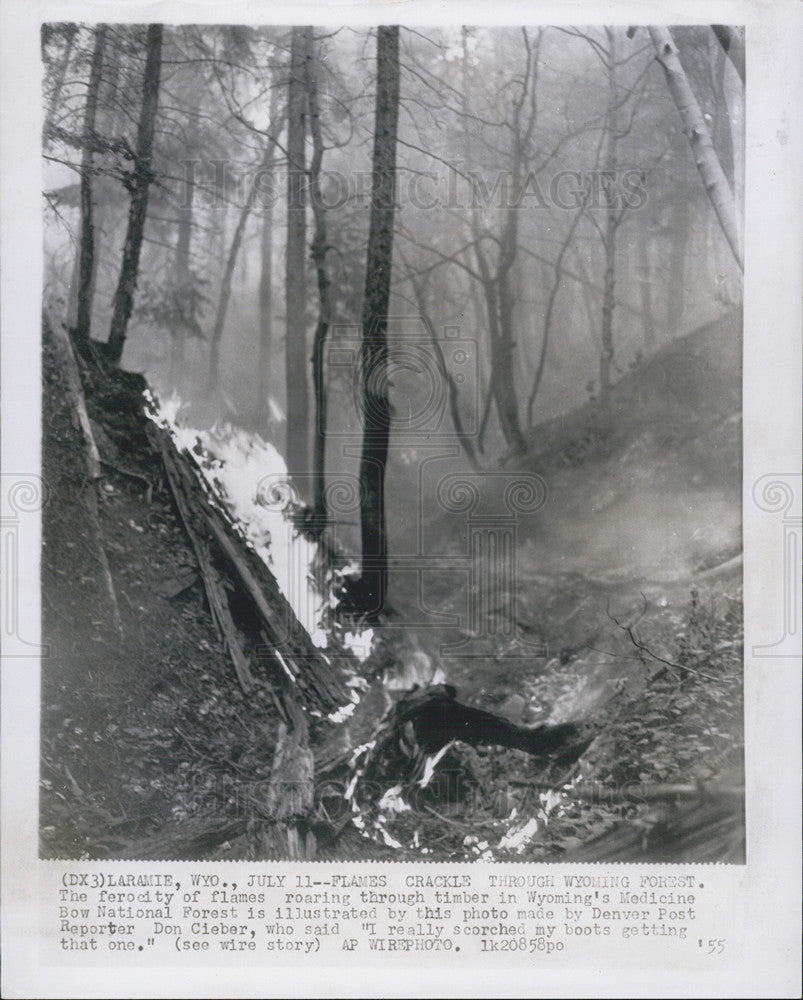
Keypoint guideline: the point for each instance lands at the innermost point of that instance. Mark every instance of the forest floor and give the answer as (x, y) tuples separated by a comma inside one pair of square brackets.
[(627, 604)]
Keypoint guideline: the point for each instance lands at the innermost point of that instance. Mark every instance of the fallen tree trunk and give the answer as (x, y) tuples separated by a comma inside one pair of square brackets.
[(75, 393), (215, 593), (318, 681)]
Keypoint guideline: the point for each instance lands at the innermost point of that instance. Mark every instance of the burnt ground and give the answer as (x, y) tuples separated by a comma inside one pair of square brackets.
[(148, 738)]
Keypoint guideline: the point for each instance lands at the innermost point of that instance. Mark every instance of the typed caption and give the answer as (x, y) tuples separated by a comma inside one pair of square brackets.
[(534, 914)]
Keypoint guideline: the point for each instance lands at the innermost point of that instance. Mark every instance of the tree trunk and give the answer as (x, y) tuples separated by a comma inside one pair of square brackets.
[(645, 284), (86, 268), (127, 284), (297, 450), (183, 279), (606, 347), (609, 236), (318, 252), (376, 406), (550, 308), (70, 31), (231, 259), (465, 439), (503, 373), (265, 320), (213, 379), (504, 353), (499, 299), (721, 133), (732, 42), (266, 279), (705, 157), (676, 286)]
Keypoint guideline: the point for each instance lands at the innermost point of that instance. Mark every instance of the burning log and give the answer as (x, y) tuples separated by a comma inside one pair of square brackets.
[(318, 681)]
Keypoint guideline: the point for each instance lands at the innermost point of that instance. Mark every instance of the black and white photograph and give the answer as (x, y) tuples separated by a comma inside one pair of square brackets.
[(392, 430), (400, 499)]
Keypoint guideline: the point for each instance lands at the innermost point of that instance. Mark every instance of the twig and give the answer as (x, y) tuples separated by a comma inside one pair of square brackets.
[(642, 793), (74, 784), (646, 649), (452, 822)]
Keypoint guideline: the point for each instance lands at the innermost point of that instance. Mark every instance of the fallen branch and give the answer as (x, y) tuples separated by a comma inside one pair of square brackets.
[(215, 592), (75, 393), (690, 792), (723, 567)]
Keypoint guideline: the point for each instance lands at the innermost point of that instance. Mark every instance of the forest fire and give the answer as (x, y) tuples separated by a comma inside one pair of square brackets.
[(426, 541)]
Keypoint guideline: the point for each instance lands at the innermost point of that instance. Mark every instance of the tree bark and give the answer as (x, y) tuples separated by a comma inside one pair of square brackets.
[(645, 284), (465, 439), (70, 32), (609, 236), (705, 157), (214, 586), (297, 449), (676, 286), (86, 268), (140, 182), (183, 278), (376, 405), (266, 280), (213, 378), (504, 378), (265, 320), (318, 251), (721, 133)]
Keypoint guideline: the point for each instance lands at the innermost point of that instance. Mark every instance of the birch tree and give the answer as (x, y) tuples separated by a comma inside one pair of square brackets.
[(713, 177)]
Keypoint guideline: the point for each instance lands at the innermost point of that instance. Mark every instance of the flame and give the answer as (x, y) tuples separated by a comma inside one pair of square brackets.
[(236, 464)]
